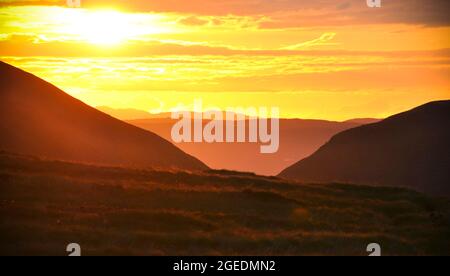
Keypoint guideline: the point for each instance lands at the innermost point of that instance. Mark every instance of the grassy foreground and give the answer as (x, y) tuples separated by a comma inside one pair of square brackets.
[(45, 205)]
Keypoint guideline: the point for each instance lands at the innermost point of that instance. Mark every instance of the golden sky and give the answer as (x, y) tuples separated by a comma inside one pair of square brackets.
[(324, 59)]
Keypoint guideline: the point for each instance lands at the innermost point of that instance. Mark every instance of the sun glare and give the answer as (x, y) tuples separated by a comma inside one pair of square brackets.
[(105, 27)]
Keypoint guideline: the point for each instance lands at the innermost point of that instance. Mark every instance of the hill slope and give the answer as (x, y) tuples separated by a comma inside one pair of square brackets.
[(44, 205), (409, 149), (39, 119)]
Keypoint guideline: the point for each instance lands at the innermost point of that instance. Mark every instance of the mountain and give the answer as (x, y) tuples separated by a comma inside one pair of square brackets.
[(39, 119), (125, 114), (298, 138), (410, 149)]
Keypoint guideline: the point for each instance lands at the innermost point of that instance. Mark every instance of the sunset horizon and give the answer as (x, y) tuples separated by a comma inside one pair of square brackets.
[(334, 61)]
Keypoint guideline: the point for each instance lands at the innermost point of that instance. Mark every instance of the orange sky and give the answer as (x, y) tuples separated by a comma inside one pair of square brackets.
[(329, 59)]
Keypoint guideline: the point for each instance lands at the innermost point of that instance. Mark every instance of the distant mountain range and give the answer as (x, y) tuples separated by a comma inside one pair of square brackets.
[(363, 121), (410, 149), (298, 139), (125, 113), (39, 119), (128, 114)]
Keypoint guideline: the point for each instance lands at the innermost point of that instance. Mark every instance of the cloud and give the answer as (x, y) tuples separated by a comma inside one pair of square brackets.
[(4, 3), (287, 13), (325, 39), (355, 12), (21, 44), (193, 21)]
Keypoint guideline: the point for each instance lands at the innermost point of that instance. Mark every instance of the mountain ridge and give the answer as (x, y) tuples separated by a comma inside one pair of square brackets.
[(40, 119), (407, 149)]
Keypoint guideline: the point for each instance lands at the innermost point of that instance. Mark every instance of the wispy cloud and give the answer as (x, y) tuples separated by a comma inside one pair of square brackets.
[(323, 40)]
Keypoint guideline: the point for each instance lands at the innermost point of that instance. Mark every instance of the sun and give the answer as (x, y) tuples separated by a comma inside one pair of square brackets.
[(105, 27), (99, 27)]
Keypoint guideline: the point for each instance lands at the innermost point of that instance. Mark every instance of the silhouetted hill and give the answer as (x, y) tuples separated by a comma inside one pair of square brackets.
[(298, 139), (410, 149), (38, 118)]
